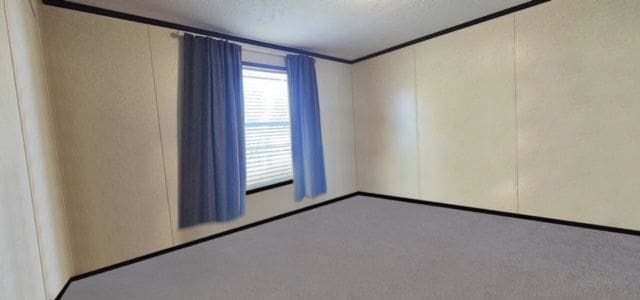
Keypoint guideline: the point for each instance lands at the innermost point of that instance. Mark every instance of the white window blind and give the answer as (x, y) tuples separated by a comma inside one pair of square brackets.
[(267, 127)]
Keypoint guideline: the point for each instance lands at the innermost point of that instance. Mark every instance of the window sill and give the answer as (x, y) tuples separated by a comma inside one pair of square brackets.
[(268, 187)]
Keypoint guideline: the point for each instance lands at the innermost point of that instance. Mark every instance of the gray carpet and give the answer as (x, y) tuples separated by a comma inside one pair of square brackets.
[(368, 248)]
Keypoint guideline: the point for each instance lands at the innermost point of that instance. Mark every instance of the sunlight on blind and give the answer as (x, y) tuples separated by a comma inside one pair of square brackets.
[(267, 128)]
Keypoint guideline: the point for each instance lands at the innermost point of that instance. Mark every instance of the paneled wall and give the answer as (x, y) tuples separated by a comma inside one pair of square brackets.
[(107, 125), (578, 69), (35, 259), (384, 99), (535, 112), (466, 117), (18, 240), (115, 85)]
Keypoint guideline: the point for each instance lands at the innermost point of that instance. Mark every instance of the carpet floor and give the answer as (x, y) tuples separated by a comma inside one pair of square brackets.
[(370, 248)]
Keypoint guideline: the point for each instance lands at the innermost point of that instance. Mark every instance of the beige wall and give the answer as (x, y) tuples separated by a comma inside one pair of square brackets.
[(578, 69), (384, 99), (466, 117), (115, 88), (535, 112), (36, 262), (107, 126), (19, 259)]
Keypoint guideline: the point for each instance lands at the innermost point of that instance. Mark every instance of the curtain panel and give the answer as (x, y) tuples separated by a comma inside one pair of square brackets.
[(306, 135), (212, 151)]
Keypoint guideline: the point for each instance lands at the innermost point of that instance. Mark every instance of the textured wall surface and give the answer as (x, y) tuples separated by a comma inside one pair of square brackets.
[(40, 147), (107, 130), (115, 85), (35, 258), (535, 112), (466, 117), (578, 68), (20, 269), (384, 100)]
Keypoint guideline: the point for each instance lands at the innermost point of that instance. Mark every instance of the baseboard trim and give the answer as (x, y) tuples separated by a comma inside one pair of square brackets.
[(334, 200), (505, 214), (63, 290), (198, 241)]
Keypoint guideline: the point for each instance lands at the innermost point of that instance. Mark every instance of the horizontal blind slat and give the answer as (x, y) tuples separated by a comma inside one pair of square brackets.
[(267, 127)]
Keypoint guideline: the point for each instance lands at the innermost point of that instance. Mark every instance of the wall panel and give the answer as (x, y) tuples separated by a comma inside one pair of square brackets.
[(107, 131), (385, 116), (466, 117), (20, 269), (578, 65), (46, 185), (336, 114)]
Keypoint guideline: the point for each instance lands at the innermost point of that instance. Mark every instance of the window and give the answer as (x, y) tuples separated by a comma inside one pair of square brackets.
[(267, 126)]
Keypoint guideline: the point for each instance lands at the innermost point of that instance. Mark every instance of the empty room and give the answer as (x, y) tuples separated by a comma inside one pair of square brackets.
[(305, 149)]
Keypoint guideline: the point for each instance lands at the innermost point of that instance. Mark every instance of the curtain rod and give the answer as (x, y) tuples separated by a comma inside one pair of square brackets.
[(245, 47)]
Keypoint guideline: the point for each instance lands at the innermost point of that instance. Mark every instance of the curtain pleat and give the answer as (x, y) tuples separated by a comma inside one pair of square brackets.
[(306, 135), (212, 154)]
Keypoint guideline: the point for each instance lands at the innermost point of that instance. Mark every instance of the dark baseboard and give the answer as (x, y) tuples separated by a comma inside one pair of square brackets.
[(198, 241), (64, 289), (334, 200), (505, 214)]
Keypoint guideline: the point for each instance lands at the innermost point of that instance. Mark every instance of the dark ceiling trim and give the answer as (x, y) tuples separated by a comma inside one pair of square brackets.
[(454, 28), (139, 19), (134, 18)]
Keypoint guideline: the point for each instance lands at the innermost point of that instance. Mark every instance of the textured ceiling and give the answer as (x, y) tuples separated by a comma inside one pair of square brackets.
[(344, 28)]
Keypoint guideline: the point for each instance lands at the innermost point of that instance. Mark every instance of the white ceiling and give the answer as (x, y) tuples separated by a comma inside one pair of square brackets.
[(343, 28)]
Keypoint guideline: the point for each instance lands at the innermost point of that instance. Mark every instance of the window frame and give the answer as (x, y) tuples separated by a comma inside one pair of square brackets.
[(278, 69)]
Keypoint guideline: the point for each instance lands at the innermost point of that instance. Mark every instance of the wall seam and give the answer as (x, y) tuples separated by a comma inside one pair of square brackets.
[(415, 98), (164, 167), (515, 99), (24, 148), (353, 113)]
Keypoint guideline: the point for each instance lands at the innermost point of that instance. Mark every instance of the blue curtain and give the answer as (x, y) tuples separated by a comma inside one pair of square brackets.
[(212, 154), (306, 136)]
